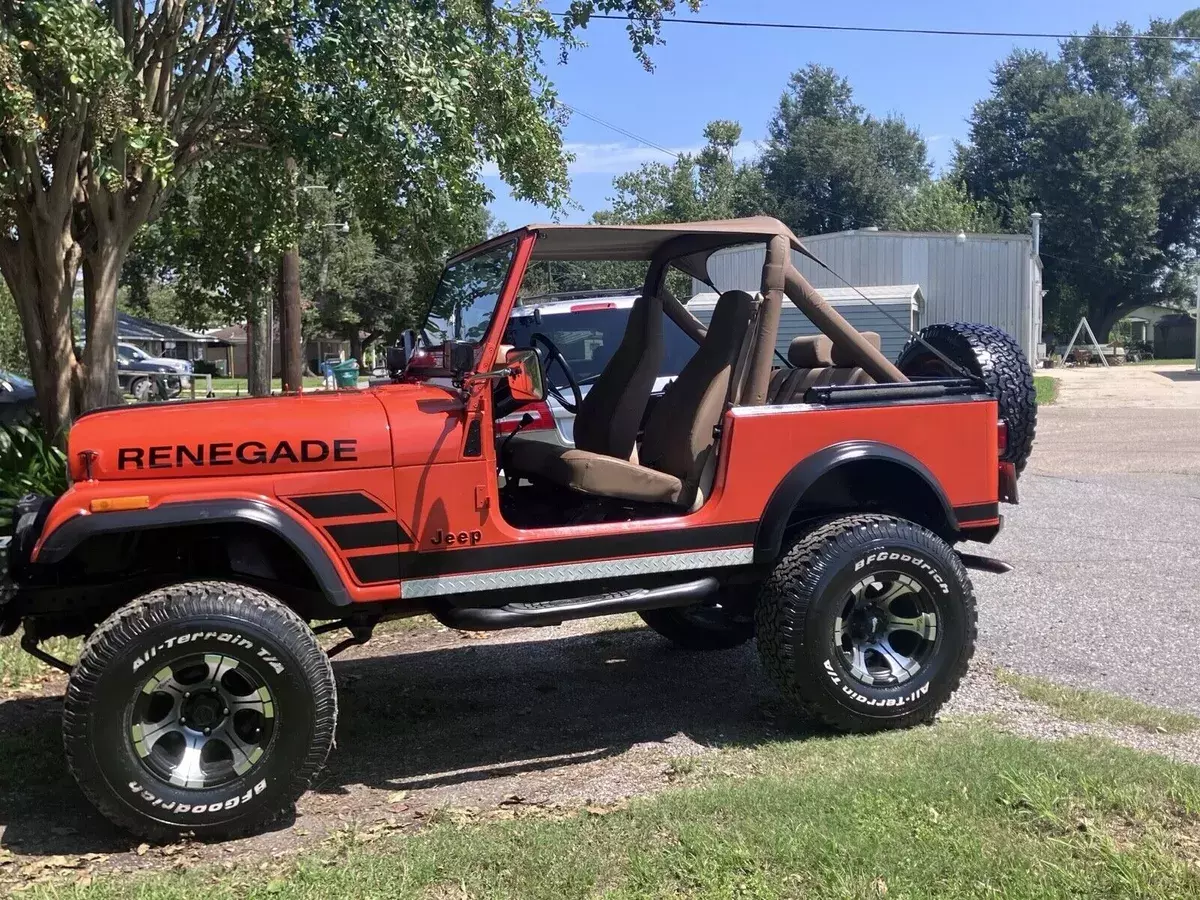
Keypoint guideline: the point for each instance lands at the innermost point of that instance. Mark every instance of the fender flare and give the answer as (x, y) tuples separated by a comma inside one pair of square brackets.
[(60, 542), (768, 540)]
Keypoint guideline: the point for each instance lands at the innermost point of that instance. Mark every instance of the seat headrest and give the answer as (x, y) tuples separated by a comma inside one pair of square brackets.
[(731, 313), (841, 357), (811, 351)]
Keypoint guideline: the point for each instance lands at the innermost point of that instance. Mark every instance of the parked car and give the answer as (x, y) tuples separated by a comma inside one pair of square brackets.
[(137, 354), (146, 377), (18, 401), (587, 327)]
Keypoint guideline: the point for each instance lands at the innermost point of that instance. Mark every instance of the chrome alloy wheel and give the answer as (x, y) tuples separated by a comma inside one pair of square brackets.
[(202, 721), (887, 630)]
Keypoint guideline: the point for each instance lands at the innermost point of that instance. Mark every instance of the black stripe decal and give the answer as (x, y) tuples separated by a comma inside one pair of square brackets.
[(377, 568), (331, 506), (360, 535), (430, 563), (980, 512)]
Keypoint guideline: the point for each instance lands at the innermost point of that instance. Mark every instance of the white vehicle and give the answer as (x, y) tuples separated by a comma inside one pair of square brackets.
[(586, 327)]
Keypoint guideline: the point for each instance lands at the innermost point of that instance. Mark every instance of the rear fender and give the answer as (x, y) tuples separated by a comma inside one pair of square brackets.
[(789, 496)]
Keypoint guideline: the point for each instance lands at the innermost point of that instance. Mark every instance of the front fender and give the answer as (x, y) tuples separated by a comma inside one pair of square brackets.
[(59, 543)]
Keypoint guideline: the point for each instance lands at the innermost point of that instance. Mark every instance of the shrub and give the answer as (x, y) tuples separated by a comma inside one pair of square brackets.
[(30, 463)]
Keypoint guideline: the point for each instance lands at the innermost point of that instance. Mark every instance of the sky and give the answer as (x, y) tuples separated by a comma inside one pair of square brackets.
[(705, 73)]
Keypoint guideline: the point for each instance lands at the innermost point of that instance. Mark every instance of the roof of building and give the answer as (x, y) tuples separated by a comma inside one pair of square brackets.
[(132, 328), (847, 296)]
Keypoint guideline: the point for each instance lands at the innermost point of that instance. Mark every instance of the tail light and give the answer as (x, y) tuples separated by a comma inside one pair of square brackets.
[(543, 418), (1002, 437)]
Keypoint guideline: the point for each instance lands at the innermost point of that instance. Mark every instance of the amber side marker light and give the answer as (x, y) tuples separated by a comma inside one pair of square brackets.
[(114, 504)]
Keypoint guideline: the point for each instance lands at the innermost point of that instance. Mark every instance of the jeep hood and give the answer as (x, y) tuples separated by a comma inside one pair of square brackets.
[(251, 436)]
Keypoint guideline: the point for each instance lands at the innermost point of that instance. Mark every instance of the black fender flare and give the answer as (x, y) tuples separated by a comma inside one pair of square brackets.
[(60, 542), (768, 540)]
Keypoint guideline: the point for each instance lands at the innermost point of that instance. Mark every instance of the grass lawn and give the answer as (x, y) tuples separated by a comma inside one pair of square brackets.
[(235, 384), (1047, 389), (1097, 706), (953, 811), (1164, 362)]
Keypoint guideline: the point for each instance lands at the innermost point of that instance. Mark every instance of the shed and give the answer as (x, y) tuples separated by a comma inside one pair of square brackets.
[(886, 309), (991, 278)]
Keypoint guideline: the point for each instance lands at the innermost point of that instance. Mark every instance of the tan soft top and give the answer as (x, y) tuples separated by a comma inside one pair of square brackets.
[(687, 244)]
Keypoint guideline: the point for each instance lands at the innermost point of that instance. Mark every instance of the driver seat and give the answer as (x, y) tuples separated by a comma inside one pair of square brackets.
[(610, 415), (679, 436)]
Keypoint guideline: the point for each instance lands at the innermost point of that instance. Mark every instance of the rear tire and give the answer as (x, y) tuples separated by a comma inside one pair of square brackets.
[(867, 623), (994, 355), (204, 708), (140, 389), (704, 626)]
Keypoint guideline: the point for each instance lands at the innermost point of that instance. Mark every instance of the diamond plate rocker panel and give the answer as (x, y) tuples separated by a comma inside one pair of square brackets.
[(582, 571)]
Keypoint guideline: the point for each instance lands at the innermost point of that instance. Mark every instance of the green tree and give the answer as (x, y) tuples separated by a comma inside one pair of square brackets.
[(108, 103), (1104, 140), (12, 341), (828, 165), (709, 184), (944, 205)]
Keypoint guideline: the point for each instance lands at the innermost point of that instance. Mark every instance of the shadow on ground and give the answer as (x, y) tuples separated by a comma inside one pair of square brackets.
[(1177, 375), (447, 721)]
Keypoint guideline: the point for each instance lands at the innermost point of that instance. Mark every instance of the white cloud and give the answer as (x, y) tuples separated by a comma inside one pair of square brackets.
[(617, 158)]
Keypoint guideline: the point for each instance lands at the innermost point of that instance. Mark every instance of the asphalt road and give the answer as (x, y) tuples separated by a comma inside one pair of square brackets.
[(1106, 592)]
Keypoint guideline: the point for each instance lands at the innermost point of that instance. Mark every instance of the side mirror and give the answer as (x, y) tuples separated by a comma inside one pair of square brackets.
[(526, 381), (458, 357)]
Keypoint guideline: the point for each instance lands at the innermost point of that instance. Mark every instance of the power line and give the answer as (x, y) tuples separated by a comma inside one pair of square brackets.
[(875, 29), (619, 130)]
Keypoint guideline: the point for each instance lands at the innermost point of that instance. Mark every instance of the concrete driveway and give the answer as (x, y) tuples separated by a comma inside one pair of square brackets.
[(1106, 592)]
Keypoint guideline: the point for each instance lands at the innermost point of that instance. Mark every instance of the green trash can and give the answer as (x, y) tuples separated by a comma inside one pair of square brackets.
[(345, 374)]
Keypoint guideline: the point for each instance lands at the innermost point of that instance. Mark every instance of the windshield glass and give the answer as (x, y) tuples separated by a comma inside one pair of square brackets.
[(588, 339), (466, 296)]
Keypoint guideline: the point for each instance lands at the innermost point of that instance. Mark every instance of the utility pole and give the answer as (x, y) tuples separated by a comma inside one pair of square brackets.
[(291, 349)]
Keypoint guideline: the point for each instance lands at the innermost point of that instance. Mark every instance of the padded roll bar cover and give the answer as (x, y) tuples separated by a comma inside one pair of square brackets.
[(855, 347), (774, 280), (842, 358)]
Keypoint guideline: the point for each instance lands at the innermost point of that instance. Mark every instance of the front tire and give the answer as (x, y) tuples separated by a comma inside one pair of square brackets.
[(204, 708), (867, 623)]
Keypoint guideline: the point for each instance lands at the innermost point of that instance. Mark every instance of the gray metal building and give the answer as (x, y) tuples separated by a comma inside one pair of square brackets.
[(892, 309), (991, 278)]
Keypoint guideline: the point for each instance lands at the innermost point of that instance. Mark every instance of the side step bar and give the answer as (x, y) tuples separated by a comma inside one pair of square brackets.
[(985, 564), (555, 612)]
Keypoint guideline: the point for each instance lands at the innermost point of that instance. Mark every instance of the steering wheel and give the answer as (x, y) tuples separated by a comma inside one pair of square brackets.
[(554, 355)]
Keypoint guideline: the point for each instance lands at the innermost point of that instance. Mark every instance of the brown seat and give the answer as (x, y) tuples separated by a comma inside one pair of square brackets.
[(610, 415), (679, 435), (810, 355), (844, 370)]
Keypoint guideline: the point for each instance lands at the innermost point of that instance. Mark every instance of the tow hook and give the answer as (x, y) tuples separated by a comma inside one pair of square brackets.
[(985, 563)]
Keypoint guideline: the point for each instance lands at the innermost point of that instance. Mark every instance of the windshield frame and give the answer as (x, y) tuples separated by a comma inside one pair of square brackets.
[(423, 331)]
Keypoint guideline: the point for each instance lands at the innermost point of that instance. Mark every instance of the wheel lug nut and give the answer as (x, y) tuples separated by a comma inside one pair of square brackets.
[(187, 694), (208, 731), (213, 689), (225, 712), (182, 720)]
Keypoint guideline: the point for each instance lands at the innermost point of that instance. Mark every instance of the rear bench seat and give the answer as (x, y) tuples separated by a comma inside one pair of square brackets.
[(818, 363)]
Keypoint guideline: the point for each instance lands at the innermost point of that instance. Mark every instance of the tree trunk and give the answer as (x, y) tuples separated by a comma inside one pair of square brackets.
[(40, 269), (291, 347), (356, 345), (101, 277), (258, 356)]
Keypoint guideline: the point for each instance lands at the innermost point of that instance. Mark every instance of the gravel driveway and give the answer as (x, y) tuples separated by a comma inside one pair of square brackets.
[(1106, 592)]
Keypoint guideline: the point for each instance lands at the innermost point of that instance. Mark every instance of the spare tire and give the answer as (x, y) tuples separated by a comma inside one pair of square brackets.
[(992, 354)]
